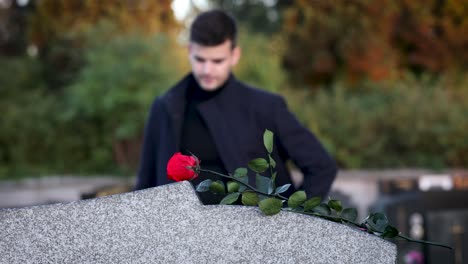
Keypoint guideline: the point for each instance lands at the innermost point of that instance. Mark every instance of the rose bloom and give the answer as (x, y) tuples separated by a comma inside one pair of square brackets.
[(181, 167)]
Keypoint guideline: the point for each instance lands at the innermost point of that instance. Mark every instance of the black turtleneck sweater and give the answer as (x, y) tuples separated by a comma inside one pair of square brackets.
[(196, 138)]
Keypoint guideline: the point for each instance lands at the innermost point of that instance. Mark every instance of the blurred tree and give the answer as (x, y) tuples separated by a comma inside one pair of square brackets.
[(56, 25), (114, 89), (55, 18), (432, 36), (99, 66), (326, 39), (23, 101), (377, 40), (258, 16), (410, 122), (260, 64)]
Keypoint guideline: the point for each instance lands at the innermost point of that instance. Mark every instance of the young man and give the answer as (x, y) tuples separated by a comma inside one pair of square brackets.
[(221, 120)]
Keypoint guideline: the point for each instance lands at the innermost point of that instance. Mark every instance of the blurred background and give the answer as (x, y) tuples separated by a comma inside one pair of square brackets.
[(383, 84)]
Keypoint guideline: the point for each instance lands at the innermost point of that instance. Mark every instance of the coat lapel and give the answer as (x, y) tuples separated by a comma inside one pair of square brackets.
[(175, 105), (217, 115)]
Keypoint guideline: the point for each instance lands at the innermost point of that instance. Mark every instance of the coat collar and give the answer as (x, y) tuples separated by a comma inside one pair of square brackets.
[(214, 111), (176, 97)]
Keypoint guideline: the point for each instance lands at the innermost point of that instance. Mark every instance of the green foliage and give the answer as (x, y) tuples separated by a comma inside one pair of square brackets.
[(119, 81), (270, 206), (240, 172), (94, 125), (204, 186), (106, 79), (114, 89), (272, 203), (410, 123), (312, 203), (264, 184), (323, 209), (232, 187), (282, 189), (25, 126), (260, 63), (268, 141), (349, 214), (217, 187), (335, 205), (250, 198), (230, 198), (297, 199), (377, 222), (258, 165)]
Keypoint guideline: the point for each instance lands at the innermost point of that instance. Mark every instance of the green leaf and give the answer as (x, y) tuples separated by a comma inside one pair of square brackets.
[(297, 199), (240, 172), (282, 188), (242, 188), (272, 162), (270, 206), (323, 209), (230, 198), (217, 187), (268, 140), (258, 165), (250, 198), (263, 183), (349, 214), (335, 205), (273, 177), (271, 187), (390, 232), (312, 203), (263, 197), (203, 186), (232, 186), (377, 222)]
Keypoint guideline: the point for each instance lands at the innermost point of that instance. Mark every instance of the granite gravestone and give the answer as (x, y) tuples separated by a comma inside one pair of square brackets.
[(168, 224)]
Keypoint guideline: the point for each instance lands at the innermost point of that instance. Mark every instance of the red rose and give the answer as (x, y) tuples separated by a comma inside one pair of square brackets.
[(182, 168)]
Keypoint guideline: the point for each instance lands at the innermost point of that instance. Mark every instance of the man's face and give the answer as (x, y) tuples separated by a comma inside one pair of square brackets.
[(211, 65)]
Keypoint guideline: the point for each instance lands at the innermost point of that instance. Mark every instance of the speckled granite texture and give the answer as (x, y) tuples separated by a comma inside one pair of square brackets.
[(168, 224)]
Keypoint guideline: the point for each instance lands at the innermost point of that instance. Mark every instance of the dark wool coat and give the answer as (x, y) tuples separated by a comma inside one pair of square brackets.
[(236, 118)]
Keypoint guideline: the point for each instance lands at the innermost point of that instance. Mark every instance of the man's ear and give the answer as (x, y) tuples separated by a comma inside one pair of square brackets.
[(236, 54)]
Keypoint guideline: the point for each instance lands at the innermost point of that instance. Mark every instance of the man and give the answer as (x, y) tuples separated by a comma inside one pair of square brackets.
[(221, 120)]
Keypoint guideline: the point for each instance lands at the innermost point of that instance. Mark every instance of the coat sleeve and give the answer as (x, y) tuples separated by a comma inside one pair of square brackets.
[(306, 152), (146, 177)]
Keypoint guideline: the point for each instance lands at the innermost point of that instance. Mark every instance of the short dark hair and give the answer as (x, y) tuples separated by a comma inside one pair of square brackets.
[(212, 28)]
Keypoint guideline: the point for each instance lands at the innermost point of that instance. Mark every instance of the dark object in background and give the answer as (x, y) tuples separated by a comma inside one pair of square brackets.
[(107, 190), (434, 215)]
